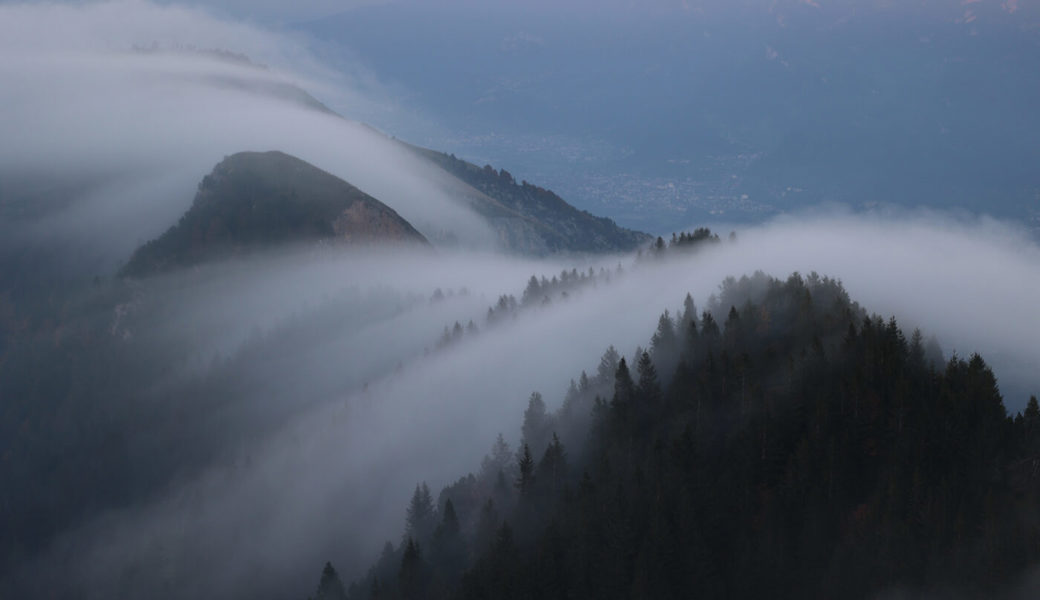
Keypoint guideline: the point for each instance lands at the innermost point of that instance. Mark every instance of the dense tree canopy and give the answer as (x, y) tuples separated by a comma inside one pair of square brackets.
[(795, 446)]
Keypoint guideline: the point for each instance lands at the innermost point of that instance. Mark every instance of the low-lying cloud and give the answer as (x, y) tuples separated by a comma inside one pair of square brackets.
[(357, 406), (330, 481), (113, 113)]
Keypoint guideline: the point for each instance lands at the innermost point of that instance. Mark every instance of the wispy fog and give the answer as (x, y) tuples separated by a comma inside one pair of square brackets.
[(113, 113), (372, 408), (341, 397)]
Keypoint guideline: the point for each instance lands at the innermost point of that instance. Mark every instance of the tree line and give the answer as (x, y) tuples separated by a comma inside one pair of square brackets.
[(782, 442)]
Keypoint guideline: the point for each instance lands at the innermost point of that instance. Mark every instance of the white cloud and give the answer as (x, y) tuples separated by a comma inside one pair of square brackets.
[(332, 481), (335, 474), (82, 105)]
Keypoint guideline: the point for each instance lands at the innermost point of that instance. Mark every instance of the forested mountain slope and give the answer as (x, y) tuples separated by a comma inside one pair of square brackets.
[(557, 225), (782, 443)]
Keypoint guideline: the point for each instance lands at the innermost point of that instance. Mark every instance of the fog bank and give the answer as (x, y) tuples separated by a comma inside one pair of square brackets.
[(331, 480), (113, 113)]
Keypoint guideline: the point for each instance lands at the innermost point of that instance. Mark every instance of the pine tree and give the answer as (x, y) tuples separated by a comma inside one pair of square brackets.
[(420, 518), (330, 587), (583, 383), (916, 351), (533, 292), (484, 533), (552, 469), (413, 577), (525, 465), (649, 390), (387, 565), (1031, 428), (499, 460), (450, 521), (664, 347), (733, 332), (570, 401), (624, 390), (502, 492), (688, 316), (608, 365), (709, 328), (537, 425), (448, 550)]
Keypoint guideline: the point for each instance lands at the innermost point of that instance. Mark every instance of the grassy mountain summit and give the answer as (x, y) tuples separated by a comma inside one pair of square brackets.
[(254, 199)]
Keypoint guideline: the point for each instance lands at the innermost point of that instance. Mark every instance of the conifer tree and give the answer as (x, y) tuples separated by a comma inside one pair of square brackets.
[(664, 347), (420, 518), (688, 316), (583, 383), (649, 390), (533, 291), (624, 389), (552, 467), (499, 460), (537, 425), (412, 579), (448, 549), (709, 328), (330, 587), (487, 525), (525, 465), (608, 365), (1031, 427)]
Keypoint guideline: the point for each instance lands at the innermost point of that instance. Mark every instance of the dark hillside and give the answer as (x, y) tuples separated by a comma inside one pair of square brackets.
[(562, 226), (782, 443), (256, 199)]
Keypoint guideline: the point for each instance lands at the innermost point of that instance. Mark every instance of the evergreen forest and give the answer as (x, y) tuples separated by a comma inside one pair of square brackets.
[(781, 443)]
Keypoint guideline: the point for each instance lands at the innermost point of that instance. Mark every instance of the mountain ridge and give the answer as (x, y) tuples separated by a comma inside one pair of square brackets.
[(561, 226), (254, 199)]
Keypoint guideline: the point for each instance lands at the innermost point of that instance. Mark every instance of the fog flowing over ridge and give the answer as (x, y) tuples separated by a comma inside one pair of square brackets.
[(366, 413), (122, 107), (297, 396)]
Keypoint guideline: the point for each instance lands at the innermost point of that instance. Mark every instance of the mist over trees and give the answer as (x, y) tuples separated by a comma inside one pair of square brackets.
[(253, 400), (159, 384), (785, 388), (781, 442)]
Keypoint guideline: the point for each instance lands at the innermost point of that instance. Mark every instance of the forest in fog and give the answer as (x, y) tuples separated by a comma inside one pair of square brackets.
[(401, 299), (795, 446)]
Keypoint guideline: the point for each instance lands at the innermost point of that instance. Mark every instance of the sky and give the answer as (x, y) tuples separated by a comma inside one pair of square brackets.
[(321, 466), (667, 112)]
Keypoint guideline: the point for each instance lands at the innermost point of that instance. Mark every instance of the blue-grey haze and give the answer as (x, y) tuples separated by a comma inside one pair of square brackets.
[(666, 118)]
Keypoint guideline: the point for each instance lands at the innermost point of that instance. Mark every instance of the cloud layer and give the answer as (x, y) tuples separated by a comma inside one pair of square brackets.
[(331, 481), (361, 413), (124, 106)]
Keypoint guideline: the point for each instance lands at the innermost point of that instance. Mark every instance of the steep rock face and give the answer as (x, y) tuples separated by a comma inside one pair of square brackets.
[(253, 200)]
